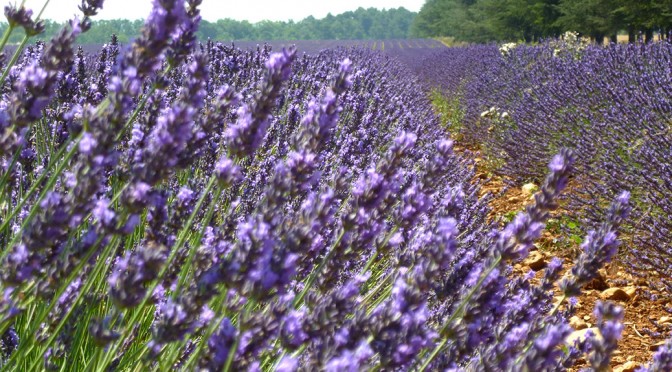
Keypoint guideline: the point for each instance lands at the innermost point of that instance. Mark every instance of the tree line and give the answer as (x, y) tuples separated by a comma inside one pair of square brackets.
[(360, 24), (532, 20)]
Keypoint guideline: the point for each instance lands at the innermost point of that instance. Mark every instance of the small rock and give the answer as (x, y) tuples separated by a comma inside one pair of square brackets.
[(630, 366), (577, 323), (535, 260), (586, 317), (600, 281), (664, 319), (582, 335), (630, 291), (615, 294), (513, 199), (657, 345), (529, 189)]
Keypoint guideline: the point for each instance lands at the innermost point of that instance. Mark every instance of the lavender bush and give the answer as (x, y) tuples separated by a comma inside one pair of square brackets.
[(173, 205)]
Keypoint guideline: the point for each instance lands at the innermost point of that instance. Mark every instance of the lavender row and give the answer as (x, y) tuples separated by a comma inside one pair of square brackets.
[(612, 105)]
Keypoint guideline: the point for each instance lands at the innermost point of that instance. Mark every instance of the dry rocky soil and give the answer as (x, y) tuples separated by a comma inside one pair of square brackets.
[(643, 317)]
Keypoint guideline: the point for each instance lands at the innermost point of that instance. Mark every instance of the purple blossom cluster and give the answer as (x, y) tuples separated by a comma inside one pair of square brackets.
[(175, 205)]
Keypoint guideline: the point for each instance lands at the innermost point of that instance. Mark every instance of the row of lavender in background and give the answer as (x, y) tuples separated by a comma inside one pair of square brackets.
[(174, 205), (612, 105)]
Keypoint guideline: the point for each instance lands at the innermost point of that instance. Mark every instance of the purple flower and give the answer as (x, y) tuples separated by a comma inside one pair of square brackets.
[(246, 134), (545, 352), (598, 248), (23, 17), (90, 7), (132, 272), (288, 364), (350, 360), (279, 64), (87, 143), (102, 213), (292, 331), (662, 359), (609, 321), (519, 235), (185, 195)]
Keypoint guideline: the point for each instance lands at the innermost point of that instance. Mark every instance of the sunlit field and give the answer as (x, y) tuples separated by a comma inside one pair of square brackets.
[(340, 205)]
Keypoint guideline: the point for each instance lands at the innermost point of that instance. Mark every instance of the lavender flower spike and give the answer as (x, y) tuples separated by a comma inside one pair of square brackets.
[(609, 321), (24, 18), (662, 359), (519, 235), (247, 133), (599, 247)]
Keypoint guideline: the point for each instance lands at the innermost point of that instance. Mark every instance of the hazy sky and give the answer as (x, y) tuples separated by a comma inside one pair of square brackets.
[(251, 10)]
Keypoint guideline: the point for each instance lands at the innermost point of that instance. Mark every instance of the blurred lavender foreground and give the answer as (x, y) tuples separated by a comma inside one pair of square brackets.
[(173, 205)]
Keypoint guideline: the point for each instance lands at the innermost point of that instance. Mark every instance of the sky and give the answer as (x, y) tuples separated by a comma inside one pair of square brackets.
[(211, 10)]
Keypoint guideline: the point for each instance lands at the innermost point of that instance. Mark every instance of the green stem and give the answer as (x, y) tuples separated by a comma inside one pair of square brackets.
[(92, 279), (370, 262), (36, 206), (384, 295), (44, 7), (15, 57), (5, 177), (6, 35), (557, 307), (37, 183), (192, 253)]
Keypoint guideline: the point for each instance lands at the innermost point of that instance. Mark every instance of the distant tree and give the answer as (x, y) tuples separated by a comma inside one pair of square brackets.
[(528, 20), (532, 20), (644, 15), (359, 24), (590, 17)]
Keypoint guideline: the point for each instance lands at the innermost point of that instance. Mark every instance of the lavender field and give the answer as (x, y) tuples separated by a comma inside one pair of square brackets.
[(177, 205)]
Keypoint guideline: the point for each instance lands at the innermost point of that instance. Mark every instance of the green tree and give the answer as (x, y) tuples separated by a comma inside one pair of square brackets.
[(595, 18)]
